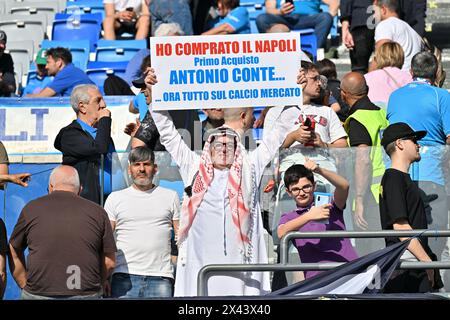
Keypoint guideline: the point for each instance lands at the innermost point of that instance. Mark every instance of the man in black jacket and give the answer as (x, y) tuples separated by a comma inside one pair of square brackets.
[(86, 139)]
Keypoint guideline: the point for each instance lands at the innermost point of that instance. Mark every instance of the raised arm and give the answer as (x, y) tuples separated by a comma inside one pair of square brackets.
[(273, 140), (169, 136), (341, 184)]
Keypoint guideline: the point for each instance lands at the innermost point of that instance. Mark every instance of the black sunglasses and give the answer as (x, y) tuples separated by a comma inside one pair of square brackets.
[(413, 139)]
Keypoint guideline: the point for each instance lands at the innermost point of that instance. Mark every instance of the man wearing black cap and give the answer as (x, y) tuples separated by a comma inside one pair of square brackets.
[(7, 80), (402, 208)]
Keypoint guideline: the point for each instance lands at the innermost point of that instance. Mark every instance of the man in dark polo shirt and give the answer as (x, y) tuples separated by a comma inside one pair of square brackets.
[(70, 241)]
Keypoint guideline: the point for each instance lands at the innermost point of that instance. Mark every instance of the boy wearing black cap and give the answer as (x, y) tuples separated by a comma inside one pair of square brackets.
[(402, 208)]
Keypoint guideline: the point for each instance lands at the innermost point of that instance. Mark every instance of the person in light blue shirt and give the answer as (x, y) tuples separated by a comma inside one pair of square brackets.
[(133, 70), (232, 19), (67, 76), (425, 107), (300, 14)]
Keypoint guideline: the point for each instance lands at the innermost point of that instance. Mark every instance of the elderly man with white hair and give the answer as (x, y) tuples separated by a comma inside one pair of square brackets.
[(87, 139), (70, 242)]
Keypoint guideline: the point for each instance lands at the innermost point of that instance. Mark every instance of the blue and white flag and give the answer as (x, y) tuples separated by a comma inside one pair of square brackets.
[(368, 274)]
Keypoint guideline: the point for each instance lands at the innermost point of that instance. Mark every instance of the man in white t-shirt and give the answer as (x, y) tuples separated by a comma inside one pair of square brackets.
[(143, 217), (126, 16), (391, 28), (324, 130)]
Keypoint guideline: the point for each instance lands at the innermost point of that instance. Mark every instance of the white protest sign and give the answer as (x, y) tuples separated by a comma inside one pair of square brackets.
[(226, 71)]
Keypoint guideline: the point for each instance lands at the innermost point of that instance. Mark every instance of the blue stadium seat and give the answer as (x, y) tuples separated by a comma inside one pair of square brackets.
[(96, 16), (308, 41), (78, 27), (253, 12), (78, 48), (118, 50), (86, 6), (98, 71)]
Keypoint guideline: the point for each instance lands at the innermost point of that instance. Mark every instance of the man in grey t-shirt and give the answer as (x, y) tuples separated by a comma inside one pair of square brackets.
[(143, 216)]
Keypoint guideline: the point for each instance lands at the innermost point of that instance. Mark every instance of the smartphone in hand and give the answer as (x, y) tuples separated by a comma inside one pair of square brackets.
[(321, 198)]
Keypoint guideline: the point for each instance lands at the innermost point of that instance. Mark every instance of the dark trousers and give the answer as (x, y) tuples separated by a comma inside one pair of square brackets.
[(116, 86), (408, 281), (364, 44)]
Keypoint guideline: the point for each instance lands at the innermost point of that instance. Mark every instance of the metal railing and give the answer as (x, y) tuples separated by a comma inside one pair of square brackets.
[(207, 271)]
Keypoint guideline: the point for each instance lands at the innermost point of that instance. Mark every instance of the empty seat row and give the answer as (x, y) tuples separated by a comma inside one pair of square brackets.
[(61, 4)]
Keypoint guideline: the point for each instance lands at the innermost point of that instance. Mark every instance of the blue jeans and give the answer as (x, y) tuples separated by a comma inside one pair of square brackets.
[(128, 286), (321, 23)]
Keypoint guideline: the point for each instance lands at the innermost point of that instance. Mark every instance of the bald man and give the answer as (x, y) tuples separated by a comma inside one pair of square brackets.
[(70, 241), (363, 126)]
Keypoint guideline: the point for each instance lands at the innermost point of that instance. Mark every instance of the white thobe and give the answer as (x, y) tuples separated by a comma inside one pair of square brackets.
[(213, 238)]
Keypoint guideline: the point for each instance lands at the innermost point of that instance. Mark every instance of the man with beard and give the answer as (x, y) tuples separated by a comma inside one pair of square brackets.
[(66, 75), (142, 217)]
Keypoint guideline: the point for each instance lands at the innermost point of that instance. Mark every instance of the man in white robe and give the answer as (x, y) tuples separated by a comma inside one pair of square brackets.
[(221, 218)]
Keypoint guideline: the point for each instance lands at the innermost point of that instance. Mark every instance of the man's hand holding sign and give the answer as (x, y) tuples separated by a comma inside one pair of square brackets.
[(217, 71)]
